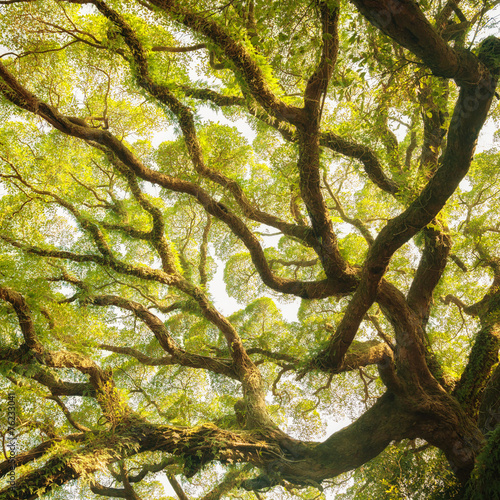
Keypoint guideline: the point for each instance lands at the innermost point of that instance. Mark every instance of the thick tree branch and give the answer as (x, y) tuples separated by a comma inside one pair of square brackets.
[(317, 84), (151, 469), (298, 463), (351, 149), (371, 163), (214, 97), (202, 266), (237, 54), (406, 24), (24, 317), (489, 410), (38, 451), (366, 353), (462, 137), (101, 381), (190, 48), (133, 437), (118, 150), (178, 355), (434, 116), (430, 269), (326, 245), (482, 359), (107, 491)]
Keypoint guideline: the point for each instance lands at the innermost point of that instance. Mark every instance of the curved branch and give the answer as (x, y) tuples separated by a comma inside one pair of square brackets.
[(328, 139), (318, 82), (23, 313), (107, 491), (101, 380), (366, 353), (237, 54), (190, 48), (178, 355), (69, 417), (373, 167), (406, 24), (430, 269), (104, 140), (482, 359), (29, 368)]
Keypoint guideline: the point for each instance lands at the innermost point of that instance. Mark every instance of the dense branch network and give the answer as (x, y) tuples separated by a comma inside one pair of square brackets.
[(420, 399)]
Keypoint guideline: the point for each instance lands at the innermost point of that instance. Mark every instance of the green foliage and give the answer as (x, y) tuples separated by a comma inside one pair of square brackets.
[(404, 471), (484, 481), (76, 223)]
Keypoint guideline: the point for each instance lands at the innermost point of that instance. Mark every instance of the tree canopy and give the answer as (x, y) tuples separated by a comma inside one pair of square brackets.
[(319, 153)]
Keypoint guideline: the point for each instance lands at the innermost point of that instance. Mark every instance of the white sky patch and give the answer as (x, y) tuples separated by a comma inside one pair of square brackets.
[(486, 138), (169, 491), (333, 426), (87, 9), (228, 305), (241, 125), (164, 136), (64, 289), (290, 310), (271, 236), (79, 97), (398, 126), (491, 28), (217, 288), (465, 185), (152, 189)]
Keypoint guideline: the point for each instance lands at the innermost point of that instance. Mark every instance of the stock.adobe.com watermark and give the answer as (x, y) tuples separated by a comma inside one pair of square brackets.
[(11, 438)]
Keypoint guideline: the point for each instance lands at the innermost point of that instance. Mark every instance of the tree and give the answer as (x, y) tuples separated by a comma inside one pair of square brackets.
[(120, 199)]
